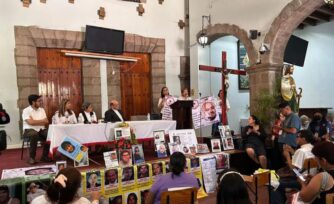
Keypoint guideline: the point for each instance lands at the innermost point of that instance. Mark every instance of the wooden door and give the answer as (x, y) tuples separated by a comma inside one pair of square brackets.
[(59, 77), (136, 86)]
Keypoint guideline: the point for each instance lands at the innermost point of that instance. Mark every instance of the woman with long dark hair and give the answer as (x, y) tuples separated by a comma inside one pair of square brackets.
[(176, 178), (232, 188), (254, 137), (163, 97), (64, 189)]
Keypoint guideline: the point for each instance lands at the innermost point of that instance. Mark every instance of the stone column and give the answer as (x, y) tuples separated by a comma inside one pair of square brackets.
[(262, 77)]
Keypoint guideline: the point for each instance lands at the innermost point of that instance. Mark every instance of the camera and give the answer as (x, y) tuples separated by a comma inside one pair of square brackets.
[(264, 48)]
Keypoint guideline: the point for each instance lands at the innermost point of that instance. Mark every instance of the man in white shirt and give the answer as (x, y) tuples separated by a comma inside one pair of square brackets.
[(34, 122), (304, 140), (113, 114)]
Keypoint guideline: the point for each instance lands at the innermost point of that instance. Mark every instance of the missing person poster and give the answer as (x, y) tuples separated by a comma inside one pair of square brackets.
[(128, 178), (210, 176), (110, 159), (144, 176), (111, 180), (183, 137), (93, 180), (167, 112), (205, 112), (73, 149)]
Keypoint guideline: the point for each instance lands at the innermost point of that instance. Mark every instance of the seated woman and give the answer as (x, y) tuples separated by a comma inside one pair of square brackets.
[(254, 136), (64, 189), (185, 95), (176, 178), (322, 183), (87, 114), (232, 188), (65, 114)]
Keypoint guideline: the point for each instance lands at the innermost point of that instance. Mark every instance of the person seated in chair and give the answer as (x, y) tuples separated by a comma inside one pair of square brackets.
[(176, 178), (87, 115), (34, 126), (65, 114), (113, 114)]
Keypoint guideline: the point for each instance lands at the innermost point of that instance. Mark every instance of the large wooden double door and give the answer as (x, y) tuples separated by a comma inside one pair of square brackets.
[(59, 77), (136, 86)]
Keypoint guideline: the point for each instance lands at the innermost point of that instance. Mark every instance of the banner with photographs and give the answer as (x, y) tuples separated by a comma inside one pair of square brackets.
[(28, 171), (167, 112), (205, 112), (74, 150), (210, 176)]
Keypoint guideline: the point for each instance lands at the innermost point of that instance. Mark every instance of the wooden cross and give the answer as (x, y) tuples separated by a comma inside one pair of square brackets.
[(224, 72)]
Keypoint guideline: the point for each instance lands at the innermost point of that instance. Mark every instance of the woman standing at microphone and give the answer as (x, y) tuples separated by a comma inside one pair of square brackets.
[(65, 114), (87, 114)]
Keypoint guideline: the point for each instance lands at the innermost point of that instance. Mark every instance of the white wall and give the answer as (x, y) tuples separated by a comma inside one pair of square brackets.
[(158, 21), (317, 76), (239, 99)]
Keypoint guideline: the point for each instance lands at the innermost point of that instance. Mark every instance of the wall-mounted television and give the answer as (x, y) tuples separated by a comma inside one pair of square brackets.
[(104, 40), (295, 51)]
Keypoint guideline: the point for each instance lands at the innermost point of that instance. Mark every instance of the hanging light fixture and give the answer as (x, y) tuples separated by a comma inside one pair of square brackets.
[(329, 2), (203, 38)]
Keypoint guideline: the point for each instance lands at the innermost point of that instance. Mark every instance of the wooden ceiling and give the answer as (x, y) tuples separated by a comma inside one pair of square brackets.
[(323, 14)]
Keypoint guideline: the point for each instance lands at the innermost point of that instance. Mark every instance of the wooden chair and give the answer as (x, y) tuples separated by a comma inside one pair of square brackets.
[(330, 198), (259, 180), (185, 196), (309, 164)]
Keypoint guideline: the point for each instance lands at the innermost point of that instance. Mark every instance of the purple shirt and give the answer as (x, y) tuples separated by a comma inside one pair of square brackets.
[(163, 183)]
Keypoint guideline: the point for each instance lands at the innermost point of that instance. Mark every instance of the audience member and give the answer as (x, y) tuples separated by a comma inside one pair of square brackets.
[(317, 122), (64, 189), (87, 114), (176, 178), (34, 126), (232, 188), (113, 114), (65, 114), (276, 132), (254, 137), (304, 140), (185, 95), (305, 122)]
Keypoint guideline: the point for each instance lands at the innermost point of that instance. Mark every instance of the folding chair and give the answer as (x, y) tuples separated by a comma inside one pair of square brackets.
[(185, 196)]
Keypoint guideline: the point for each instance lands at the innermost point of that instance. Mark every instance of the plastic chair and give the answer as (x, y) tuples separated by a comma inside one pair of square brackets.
[(184, 196)]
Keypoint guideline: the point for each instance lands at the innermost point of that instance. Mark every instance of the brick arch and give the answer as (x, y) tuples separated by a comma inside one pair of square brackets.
[(220, 30), (284, 25), (29, 38)]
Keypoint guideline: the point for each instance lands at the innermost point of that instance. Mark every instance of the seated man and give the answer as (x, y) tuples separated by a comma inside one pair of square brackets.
[(113, 114), (34, 122), (304, 140)]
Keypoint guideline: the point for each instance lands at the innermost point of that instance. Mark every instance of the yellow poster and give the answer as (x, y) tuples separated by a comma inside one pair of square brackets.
[(144, 176), (128, 178), (111, 181)]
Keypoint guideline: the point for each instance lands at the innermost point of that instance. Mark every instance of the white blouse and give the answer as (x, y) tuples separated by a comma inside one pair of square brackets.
[(90, 118), (66, 119)]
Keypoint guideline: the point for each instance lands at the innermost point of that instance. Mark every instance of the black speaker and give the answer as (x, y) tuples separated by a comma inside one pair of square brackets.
[(295, 51)]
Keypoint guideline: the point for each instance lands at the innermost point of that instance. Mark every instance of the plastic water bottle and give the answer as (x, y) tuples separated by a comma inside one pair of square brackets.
[(148, 116)]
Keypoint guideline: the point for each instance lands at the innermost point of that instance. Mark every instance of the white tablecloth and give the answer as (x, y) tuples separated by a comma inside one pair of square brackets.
[(104, 132)]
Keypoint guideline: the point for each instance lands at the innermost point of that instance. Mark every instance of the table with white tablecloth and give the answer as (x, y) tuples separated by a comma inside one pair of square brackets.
[(104, 132)]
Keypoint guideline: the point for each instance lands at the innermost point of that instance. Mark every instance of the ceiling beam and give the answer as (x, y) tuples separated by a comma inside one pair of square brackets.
[(320, 16), (301, 26), (310, 21), (326, 10)]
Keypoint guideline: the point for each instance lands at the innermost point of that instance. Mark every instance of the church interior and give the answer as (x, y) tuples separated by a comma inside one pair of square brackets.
[(230, 97)]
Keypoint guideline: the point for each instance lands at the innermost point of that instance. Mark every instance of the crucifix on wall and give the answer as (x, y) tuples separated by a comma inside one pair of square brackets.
[(224, 71)]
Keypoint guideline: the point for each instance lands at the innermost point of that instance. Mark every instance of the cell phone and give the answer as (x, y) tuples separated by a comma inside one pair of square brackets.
[(300, 176)]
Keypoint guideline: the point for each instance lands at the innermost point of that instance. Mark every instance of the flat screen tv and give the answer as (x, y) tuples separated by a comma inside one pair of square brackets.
[(295, 51), (104, 40)]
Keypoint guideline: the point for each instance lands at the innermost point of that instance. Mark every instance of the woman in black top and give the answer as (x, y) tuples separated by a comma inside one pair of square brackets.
[(254, 136)]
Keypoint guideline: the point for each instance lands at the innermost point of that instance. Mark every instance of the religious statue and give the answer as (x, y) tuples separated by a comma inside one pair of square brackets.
[(288, 88)]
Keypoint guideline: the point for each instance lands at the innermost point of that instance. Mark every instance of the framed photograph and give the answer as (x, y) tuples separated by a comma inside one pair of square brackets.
[(83, 162), (143, 171), (157, 169), (221, 131), (161, 150), (127, 174), (202, 148), (227, 131), (138, 154), (194, 162), (193, 149), (243, 63), (222, 161), (215, 145), (173, 147), (122, 133), (185, 149), (125, 157), (159, 136), (61, 165), (93, 180), (110, 159), (228, 143)]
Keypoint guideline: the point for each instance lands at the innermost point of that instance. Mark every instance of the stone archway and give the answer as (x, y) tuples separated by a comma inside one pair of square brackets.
[(284, 25), (29, 38), (220, 30)]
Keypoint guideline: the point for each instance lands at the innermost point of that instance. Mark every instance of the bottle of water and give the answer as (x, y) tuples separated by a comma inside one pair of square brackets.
[(148, 116)]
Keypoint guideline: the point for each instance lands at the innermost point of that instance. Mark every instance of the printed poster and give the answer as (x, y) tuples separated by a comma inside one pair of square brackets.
[(167, 112), (112, 181), (183, 137), (210, 176), (205, 112), (73, 150)]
